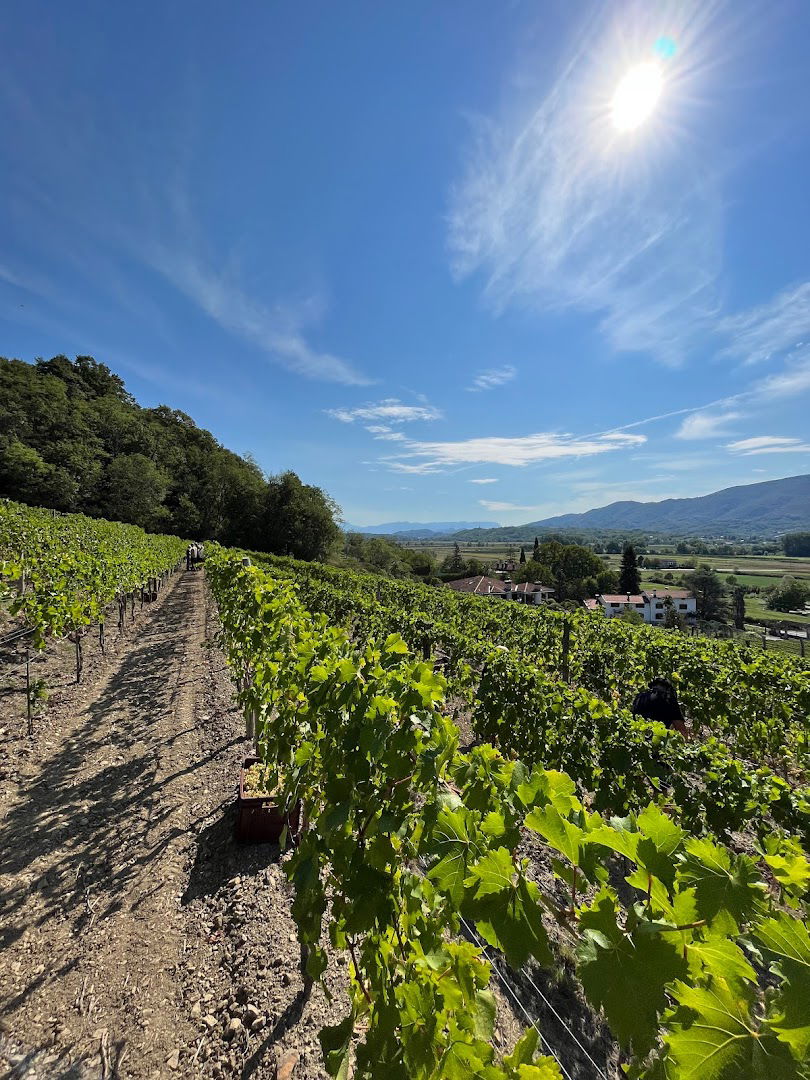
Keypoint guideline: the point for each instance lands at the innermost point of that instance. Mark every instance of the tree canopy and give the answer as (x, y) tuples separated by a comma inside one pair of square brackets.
[(797, 543), (73, 438), (629, 581)]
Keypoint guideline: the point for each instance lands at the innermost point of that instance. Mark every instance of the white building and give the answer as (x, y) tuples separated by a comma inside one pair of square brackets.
[(651, 605)]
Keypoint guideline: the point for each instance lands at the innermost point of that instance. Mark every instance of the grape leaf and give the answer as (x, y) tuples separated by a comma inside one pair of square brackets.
[(719, 1040), (728, 891), (563, 835), (492, 874), (789, 939), (335, 1042), (625, 975), (720, 958)]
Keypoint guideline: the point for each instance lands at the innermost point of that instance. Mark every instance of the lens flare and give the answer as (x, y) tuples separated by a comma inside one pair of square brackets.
[(636, 96)]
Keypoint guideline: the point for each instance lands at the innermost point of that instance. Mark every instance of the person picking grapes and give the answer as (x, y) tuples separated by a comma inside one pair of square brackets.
[(660, 702)]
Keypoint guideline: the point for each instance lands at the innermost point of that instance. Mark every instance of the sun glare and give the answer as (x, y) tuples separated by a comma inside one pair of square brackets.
[(636, 96)]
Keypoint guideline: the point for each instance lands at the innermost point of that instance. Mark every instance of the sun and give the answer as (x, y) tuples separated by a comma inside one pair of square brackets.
[(636, 96)]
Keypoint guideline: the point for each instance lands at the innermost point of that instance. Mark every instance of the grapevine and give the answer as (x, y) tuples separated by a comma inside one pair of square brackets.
[(703, 972)]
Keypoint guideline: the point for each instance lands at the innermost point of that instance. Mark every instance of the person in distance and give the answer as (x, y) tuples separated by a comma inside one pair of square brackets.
[(660, 702)]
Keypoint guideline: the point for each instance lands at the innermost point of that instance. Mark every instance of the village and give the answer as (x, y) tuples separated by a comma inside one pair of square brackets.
[(651, 605)]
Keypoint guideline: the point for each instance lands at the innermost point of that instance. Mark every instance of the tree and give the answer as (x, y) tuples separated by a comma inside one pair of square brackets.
[(630, 615), (523, 555), (672, 620), (796, 544), (536, 551), (134, 491), (454, 564), (788, 595), (73, 438), (298, 519), (739, 607), (709, 593), (629, 582)]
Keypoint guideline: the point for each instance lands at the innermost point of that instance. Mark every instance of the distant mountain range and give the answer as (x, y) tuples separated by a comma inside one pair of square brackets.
[(416, 530), (767, 508)]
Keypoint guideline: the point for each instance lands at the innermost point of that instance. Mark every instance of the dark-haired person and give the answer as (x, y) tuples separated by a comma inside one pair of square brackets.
[(660, 702)]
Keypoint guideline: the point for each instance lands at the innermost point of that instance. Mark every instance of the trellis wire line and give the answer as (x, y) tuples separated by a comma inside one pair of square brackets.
[(545, 1044), (505, 983), (551, 1008), (16, 635)]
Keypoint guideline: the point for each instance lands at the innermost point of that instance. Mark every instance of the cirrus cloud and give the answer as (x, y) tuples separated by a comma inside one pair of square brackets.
[(517, 451), (495, 377), (390, 410), (705, 425), (769, 444)]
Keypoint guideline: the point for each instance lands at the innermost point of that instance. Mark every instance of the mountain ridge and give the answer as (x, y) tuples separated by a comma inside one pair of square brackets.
[(765, 508), (419, 528)]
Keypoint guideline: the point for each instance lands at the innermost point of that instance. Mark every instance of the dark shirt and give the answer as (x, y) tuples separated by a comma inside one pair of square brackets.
[(659, 703)]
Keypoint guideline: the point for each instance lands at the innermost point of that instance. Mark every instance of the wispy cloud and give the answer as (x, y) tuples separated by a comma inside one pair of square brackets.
[(390, 410), (794, 379), (706, 425), (382, 431), (557, 211), (426, 468), (521, 450), (762, 332), (485, 480), (769, 444), (490, 505), (495, 377), (277, 330)]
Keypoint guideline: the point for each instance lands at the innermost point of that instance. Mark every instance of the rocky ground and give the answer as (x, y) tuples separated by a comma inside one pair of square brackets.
[(139, 940)]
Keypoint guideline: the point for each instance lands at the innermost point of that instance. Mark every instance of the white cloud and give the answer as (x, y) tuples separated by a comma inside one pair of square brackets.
[(489, 380), (793, 380), (557, 211), (521, 450), (390, 410), (768, 444), (381, 431), (425, 469), (759, 333), (489, 505), (276, 330), (705, 425), (485, 480)]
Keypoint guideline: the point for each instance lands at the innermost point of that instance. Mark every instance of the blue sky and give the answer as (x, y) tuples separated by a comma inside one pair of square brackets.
[(404, 250)]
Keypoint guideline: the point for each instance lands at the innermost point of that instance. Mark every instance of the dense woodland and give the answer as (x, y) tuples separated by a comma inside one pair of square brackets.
[(73, 438)]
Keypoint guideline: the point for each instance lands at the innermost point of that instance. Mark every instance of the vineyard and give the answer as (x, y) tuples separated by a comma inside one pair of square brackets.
[(697, 954), (59, 575), (476, 805)]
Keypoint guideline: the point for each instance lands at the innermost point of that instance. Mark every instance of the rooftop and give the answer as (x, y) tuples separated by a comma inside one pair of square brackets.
[(481, 585)]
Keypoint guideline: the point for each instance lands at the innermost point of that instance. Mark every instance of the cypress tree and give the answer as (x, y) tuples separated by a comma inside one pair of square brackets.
[(628, 575), (523, 555)]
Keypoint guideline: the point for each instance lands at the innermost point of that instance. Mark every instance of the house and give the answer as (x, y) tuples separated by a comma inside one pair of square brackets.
[(481, 586), (531, 592), (527, 592), (682, 600), (651, 605), (508, 566)]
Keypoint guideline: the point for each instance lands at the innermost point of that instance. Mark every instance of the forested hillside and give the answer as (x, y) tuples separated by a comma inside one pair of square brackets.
[(73, 438)]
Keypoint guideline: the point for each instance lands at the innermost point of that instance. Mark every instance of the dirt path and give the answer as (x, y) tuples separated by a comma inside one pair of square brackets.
[(137, 939)]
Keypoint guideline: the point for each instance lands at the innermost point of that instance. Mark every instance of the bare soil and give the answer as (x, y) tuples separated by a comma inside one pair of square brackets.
[(138, 940)]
